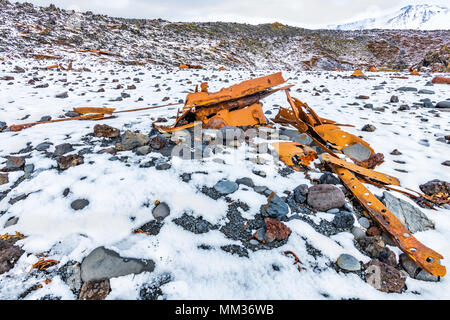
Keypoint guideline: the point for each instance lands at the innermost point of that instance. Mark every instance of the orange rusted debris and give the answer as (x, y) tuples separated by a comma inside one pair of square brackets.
[(222, 69), (8, 236), (169, 129), (441, 80), (138, 231), (51, 67), (44, 264), (237, 105), (297, 260), (303, 117), (44, 56), (19, 127), (69, 67), (84, 110), (399, 77), (249, 116), (423, 256), (204, 87), (413, 72), (378, 176), (190, 66), (426, 258), (357, 73), (295, 154), (237, 91), (339, 138)]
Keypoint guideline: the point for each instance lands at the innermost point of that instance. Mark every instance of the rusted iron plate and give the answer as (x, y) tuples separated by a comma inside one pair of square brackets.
[(357, 73), (294, 151), (441, 80), (240, 90), (378, 176), (339, 138), (249, 116), (202, 113), (83, 110), (423, 256)]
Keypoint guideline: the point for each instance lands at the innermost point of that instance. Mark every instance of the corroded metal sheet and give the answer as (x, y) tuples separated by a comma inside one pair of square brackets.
[(83, 110), (339, 138), (250, 116), (423, 256), (240, 90), (290, 151), (378, 176)]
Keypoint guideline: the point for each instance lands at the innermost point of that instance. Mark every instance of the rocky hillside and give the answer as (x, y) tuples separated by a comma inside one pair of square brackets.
[(27, 30)]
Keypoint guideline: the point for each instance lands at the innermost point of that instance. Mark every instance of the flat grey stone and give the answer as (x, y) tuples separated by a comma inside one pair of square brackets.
[(348, 263), (246, 182), (11, 222), (277, 208), (357, 151), (443, 104), (296, 136), (103, 264), (324, 197), (407, 89), (260, 189), (226, 187), (142, 151), (343, 219), (131, 140), (161, 211), (358, 233), (62, 149), (43, 146), (364, 222), (425, 91), (79, 204), (409, 215)]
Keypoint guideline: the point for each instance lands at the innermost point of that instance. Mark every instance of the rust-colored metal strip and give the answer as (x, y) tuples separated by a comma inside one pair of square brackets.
[(378, 176), (240, 90), (314, 115), (83, 110), (148, 108), (301, 125), (422, 197), (172, 129), (19, 127), (423, 256)]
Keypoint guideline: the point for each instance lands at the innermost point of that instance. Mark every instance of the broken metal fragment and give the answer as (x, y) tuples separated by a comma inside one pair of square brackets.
[(423, 256), (294, 154)]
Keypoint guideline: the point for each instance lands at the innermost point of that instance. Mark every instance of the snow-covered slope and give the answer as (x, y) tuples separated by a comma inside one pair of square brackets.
[(422, 17)]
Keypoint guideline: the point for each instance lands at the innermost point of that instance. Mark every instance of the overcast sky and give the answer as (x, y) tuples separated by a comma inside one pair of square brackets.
[(305, 13)]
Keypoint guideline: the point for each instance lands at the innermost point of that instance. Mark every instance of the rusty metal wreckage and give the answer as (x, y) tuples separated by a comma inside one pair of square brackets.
[(239, 105)]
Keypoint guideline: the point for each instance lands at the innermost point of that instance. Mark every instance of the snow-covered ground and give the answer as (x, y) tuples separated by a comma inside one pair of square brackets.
[(118, 191)]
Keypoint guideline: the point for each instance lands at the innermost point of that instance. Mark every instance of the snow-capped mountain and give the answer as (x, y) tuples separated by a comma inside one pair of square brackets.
[(423, 17)]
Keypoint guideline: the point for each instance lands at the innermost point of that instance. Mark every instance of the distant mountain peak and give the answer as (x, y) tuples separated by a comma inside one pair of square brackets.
[(420, 16)]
